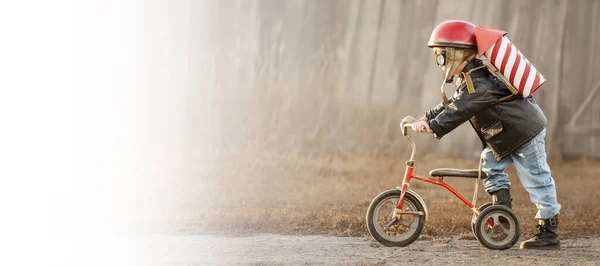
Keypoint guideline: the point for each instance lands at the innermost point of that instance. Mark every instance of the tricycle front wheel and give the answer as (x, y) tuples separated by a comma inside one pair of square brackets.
[(402, 231)]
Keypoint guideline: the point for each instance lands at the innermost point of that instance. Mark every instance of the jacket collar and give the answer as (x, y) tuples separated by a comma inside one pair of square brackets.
[(473, 63)]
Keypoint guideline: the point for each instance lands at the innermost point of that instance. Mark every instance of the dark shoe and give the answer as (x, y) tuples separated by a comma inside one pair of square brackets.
[(546, 238), (502, 197)]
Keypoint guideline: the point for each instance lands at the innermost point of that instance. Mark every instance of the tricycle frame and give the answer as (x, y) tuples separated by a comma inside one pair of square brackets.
[(408, 175)]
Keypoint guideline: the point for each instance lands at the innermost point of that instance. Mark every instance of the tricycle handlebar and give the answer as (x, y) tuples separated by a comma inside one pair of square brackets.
[(403, 127)]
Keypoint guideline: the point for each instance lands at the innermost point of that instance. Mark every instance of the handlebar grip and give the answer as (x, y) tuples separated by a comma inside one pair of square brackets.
[(403, 126)]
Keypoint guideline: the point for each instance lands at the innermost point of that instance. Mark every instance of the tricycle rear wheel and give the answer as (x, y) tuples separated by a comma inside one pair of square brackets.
[(497, 227), (474, 218)]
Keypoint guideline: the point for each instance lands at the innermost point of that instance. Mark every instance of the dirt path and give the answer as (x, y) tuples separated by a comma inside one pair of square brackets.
[(269, 249)]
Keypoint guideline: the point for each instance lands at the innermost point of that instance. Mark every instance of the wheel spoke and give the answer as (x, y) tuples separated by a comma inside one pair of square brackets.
[(498, 223), (390, 223), (496, 218), (409, 221), (394, 204)]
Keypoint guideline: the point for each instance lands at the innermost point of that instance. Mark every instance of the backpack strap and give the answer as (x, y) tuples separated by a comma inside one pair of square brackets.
[(502, 78), (496, 73), (467, 78)]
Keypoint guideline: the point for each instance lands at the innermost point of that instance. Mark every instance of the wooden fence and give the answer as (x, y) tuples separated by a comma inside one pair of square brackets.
[(283, 63)]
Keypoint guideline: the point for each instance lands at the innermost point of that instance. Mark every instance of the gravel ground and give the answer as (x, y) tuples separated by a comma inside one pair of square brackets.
[(270, 249)]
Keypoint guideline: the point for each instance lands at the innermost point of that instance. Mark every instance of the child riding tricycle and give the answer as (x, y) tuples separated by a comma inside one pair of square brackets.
[(494, 83)]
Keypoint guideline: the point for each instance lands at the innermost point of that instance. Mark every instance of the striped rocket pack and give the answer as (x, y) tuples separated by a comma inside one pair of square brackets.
[(509, 60)]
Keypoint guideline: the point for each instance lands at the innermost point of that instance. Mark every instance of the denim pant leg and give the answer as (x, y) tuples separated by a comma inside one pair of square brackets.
[(497, 179), (534, 174)]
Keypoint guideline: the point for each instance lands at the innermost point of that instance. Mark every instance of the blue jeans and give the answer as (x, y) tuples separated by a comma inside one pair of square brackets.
[(534, 174)]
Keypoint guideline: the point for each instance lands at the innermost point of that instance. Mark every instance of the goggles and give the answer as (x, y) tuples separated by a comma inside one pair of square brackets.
[(440, 58)]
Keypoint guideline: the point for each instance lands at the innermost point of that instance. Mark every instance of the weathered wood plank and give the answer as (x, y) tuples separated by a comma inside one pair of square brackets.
[(317, 60)]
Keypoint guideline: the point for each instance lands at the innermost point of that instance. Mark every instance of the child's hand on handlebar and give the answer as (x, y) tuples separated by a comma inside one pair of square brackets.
[(421, 126)]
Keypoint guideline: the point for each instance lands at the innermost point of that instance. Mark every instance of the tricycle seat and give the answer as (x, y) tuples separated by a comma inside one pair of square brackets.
[(443, 172)]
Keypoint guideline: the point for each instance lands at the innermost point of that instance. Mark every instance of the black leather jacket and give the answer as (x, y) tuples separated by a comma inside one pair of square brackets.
[(504, 127)]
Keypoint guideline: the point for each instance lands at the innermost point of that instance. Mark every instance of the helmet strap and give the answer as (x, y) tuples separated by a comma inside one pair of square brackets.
[(459, 68), (456, 60)]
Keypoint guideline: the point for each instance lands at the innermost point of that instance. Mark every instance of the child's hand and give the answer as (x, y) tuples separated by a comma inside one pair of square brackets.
[(421, 127)]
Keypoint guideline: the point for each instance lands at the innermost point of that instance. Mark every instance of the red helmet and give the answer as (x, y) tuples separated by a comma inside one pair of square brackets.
[(454, 33)]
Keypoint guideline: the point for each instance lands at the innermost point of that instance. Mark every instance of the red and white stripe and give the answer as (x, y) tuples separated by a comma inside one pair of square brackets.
[(514, 66)]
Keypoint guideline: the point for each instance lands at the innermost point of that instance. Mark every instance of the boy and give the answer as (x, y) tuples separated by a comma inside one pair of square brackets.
[(511, 128)]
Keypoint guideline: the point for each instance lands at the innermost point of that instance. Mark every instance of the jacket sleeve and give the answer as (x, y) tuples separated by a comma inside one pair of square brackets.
[(463, 107), (433, 112)]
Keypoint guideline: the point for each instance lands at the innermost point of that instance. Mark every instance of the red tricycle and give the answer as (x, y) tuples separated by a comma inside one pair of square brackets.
[(396, 217)]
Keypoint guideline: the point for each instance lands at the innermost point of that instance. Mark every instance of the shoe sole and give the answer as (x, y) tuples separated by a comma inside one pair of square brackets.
[(541, 247)]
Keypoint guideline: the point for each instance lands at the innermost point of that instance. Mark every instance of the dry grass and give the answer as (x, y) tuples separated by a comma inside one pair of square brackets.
[(329, 194)]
